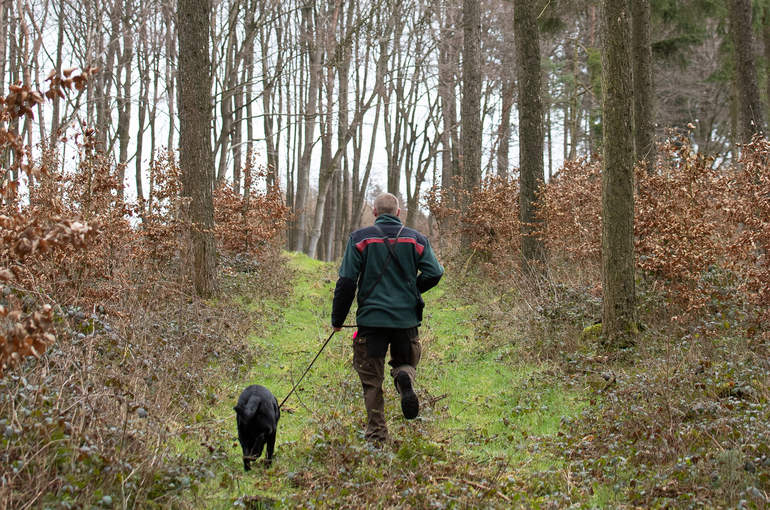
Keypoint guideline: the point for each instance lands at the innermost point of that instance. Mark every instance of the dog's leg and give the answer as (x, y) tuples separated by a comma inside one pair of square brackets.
[(270, 447), (246, 465)]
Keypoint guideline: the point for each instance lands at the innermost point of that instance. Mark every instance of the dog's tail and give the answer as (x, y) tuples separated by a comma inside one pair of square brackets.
[(248, 411)]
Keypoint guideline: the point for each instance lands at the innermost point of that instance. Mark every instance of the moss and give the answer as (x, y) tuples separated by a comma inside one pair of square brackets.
[(591, 333)]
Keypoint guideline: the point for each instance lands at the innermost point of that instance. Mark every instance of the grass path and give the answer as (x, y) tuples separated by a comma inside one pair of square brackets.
[(472, 445)]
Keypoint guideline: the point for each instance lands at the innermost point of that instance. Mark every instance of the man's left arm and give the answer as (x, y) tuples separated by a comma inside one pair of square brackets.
[(429, 268)]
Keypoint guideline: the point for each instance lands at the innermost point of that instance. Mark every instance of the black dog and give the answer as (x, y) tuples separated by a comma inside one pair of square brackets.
[(257, 414)]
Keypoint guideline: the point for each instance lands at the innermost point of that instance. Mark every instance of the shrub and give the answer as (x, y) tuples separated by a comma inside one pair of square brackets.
[(251, 223), (677, 226), (748, 211), (572, 210), (29, 232)]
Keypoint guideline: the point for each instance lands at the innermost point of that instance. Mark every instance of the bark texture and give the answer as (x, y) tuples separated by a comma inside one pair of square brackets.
[(471, 101), (619, 293), (527, 41), (750, 117), (196, 159), (644, 101)]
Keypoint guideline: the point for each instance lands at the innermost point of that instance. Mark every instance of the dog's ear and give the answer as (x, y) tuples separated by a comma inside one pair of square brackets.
[(238, 411)]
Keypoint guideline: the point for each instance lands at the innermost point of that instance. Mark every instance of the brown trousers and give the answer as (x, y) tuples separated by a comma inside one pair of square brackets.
[(371, 371)]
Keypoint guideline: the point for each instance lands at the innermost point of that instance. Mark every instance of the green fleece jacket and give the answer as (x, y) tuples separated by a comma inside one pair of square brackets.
[(392, 302)]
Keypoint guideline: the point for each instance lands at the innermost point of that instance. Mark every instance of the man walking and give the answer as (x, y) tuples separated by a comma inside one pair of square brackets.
[(390, 266)]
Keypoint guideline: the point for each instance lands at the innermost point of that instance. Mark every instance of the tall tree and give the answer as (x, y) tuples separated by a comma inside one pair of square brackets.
[(619, 292), (527, 41), (196, 160), (644, 116), (748, 88), (313, 50), (448, 58), (55, 115), (471, 102)]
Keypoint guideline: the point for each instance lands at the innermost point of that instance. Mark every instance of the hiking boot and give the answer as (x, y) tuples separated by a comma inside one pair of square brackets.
[(410, 406)]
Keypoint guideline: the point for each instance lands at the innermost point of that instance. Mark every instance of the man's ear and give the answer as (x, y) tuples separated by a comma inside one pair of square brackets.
[(374, 211), (398, 213)]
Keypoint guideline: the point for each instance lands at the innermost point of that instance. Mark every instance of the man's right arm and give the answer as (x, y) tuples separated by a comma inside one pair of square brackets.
[(344, 294), (430, 270), (345, 291)]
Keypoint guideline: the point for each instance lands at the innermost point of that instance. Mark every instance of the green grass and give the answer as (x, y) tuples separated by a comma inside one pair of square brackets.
[(479, 404)]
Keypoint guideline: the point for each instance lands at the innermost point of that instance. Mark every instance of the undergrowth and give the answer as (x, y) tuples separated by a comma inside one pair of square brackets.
[(98, 420)]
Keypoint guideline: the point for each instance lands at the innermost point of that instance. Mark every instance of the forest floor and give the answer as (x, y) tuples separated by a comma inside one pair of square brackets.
[(505, 420), (484, 414), (513, 414)]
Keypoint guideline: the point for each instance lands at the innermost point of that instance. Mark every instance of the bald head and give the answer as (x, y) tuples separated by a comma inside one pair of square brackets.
[(386, 204)]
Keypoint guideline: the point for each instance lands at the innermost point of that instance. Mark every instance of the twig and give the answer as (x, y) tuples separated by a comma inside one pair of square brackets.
[(714, 439), (465, 271), (525, 465), (436, 399)]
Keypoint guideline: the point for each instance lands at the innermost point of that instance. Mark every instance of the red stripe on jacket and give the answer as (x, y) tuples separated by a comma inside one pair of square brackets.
[(366, 242)]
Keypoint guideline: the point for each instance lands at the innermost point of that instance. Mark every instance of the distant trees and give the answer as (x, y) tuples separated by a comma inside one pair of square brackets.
[(337, 98)]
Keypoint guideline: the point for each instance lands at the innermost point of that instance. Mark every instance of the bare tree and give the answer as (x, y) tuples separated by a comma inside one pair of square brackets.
[(313, 52), (448, 64), (125, 65)]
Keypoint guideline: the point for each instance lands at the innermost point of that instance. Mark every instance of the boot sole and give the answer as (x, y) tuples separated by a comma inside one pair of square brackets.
[(410, 405)]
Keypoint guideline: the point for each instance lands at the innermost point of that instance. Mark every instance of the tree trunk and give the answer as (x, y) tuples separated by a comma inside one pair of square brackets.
[(447, 85), (619, 293), (734, 113), (226, 103), (530, 130), (766, 41), (550, 143), (471, 103), (56, 114), (143, 64), (314, 56), (323, 223), (238, 129), (4, 40), (196, 160), (170, 22), (267, 108), (125, 62), (748, 88), (644, 116), (504, 146), (13, 68)]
